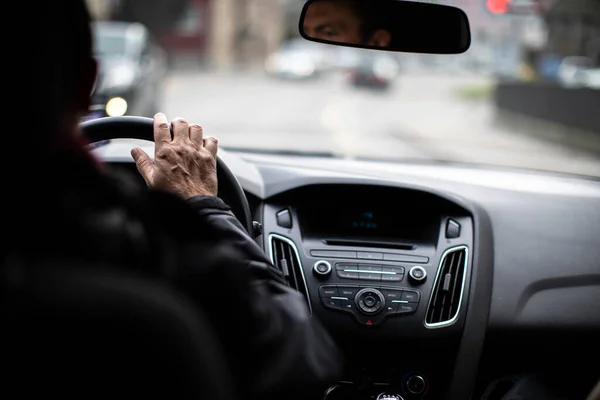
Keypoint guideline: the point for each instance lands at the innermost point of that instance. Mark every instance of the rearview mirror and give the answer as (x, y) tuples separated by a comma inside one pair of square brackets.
[(391, 25)]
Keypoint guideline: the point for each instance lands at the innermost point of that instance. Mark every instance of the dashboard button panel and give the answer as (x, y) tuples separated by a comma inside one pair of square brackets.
[(333, 253), (405, 258), (370, 272), (370, 305), (369, 255)]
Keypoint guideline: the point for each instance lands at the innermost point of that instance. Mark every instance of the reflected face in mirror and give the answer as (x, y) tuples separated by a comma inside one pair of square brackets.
[(342, 21)]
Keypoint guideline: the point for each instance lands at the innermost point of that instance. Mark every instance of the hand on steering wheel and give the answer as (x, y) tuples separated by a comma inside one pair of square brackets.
[(184, 162), (230, 190)]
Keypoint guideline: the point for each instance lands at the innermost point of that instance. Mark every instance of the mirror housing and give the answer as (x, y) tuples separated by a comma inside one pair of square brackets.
[(389, 25)]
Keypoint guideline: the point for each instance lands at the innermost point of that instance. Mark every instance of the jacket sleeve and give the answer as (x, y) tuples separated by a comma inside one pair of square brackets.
[(223, 222), (276, 349)]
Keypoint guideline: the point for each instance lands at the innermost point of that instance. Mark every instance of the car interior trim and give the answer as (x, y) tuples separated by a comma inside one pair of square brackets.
[(273, 236), (462, 287)]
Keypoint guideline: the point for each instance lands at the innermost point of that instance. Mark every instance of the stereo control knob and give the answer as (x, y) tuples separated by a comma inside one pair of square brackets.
[(417, 274), (415, 384), (322, 268), (369, 301)]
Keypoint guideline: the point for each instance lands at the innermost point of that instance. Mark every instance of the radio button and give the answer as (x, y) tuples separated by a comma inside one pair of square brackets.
[(348, 292), (390, 309), (347, 274), (369, 267), (333, 253), (405, 258), (391, 294), (334, 304), (372, 272), (391, 278), (348, 305), (328, 291), (369, 276), (412, 296), (406, 308), (369, 255)]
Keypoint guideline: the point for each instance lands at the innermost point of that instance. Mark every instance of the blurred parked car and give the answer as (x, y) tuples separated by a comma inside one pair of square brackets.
[(131, 73), (590, 78), (579, 72), (346, 58), (372, 71), (299, 59)]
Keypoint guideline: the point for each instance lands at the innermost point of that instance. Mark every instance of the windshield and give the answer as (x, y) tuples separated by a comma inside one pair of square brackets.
[(525, 95)]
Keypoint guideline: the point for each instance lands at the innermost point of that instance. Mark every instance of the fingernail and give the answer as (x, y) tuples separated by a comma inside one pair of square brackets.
[(161, 117)]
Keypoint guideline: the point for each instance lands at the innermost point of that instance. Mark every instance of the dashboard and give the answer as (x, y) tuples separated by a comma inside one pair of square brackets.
[(434, 278)]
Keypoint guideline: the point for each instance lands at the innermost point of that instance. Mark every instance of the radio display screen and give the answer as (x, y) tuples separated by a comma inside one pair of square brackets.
[(375, 223)]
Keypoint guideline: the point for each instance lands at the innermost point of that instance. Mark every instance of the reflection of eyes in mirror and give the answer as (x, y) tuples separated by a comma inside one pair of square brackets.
[(344, 21), (326, 32), (389, 25)]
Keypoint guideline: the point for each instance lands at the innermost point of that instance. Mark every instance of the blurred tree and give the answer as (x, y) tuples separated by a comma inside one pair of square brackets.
[(159, 16)]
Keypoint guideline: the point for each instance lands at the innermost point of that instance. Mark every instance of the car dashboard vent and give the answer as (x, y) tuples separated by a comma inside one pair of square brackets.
[(285, 257), (447, 292)]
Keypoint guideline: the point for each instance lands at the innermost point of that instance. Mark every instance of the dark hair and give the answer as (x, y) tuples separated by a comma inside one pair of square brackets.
[(371, 18), (65, 39)]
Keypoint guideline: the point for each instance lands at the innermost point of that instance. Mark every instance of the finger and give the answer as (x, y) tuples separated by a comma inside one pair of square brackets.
[(212, 145), (181, 130), (162, 132), (143, 164), (196, 134)]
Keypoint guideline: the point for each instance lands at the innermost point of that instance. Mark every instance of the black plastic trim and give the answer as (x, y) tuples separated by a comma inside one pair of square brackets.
[(478, 310)]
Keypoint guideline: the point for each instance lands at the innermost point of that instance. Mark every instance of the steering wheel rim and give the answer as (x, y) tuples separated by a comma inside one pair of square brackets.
[(130, 127)]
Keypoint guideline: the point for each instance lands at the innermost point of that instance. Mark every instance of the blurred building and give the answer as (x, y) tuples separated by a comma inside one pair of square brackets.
[(574, 28), (220, 33), (245, 31)]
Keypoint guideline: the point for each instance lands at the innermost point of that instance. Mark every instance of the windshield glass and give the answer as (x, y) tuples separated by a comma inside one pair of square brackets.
[(525, 95)]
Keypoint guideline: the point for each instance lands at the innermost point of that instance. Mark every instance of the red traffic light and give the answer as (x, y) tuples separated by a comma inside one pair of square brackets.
[(498, 6)]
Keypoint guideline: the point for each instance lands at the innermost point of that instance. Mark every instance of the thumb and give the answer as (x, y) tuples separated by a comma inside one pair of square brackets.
[(144, 164)]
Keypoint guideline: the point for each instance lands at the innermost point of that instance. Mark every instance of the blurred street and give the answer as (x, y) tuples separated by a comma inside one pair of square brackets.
[(419, 117)]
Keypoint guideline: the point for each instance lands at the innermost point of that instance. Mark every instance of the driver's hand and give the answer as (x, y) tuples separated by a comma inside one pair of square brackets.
[(185, 165)]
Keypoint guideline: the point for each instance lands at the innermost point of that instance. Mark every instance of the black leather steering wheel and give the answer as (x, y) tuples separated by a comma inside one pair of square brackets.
[(142, 128)]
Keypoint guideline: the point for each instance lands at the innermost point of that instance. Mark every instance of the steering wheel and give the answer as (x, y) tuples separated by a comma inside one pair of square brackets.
[(229, 188)]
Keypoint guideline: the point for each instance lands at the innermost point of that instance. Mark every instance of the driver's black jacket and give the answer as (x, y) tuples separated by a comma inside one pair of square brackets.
[(273, 346)]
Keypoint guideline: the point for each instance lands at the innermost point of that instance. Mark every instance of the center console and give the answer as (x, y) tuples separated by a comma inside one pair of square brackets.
[(387, 271)]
